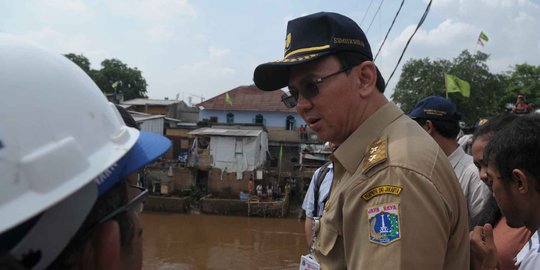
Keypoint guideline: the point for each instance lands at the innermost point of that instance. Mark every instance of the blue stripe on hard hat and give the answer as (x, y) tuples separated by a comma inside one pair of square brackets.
[(149, 147)]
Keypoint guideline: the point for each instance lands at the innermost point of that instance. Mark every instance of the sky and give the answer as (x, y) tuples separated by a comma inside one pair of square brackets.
[(196, 50)]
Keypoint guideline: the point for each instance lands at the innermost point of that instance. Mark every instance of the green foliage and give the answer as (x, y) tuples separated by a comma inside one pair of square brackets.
[(80, 60), (129, 80), (421, 78), (524, 80)]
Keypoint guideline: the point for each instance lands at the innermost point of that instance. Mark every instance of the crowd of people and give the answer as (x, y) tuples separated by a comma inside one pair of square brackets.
[(398, 193)]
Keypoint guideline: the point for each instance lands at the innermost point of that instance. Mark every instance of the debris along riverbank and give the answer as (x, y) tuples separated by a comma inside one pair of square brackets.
[(208, 204)]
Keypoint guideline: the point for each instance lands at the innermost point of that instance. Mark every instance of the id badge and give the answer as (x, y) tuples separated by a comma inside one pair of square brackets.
[(308, 262)]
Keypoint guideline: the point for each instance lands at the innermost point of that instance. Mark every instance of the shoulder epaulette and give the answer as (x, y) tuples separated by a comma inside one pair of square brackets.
[(377, 153)]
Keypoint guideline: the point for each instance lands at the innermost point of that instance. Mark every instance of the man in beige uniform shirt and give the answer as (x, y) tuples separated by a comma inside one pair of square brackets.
[(395, 202)]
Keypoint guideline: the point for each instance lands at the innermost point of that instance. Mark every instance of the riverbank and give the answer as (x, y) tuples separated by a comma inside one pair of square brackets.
[(286, 206)]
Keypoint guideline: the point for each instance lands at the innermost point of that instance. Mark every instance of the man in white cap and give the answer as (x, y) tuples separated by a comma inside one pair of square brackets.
[(66, 159)]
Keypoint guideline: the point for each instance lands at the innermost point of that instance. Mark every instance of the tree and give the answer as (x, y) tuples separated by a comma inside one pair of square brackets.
[(128, 80), (113, 72), (419, 78), (80, 60), (422, 78), (524, 80)]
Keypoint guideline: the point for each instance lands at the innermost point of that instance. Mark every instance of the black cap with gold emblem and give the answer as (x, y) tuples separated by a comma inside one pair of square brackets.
[(312, 37)]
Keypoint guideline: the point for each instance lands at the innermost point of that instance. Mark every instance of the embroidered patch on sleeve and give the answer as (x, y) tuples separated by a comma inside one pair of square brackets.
[(377, 154), (384, 224), (380, 190)]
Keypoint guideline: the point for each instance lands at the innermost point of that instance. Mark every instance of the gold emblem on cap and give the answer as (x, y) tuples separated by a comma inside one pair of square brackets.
[(305, 57), (482, 122), (288, 41), (435, 112), (377, 153)]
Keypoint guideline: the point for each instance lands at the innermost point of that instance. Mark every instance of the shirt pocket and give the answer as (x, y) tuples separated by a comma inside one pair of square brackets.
[(327, 240)]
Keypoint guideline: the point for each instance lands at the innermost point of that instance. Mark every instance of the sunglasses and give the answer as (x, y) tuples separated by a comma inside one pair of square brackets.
[(308, 91), (135, 204)]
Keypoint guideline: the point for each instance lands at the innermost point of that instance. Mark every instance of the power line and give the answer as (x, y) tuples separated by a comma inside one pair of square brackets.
[(409, 41), (389, 29), (365, 13), (376, 12)]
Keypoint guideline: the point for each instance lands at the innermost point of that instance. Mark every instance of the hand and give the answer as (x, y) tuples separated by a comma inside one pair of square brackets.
[(483, 250)]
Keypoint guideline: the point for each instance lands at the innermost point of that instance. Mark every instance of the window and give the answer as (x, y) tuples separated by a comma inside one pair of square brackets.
[(213, 119), (230, 118), (290, 123), (259, 119)]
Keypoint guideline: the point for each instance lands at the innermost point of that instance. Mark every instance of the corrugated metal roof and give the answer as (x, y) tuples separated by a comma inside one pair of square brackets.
[(174, 120), (139, 118), (248, 98), (226, 132), (144, 101), (125, 106), (186, 124)]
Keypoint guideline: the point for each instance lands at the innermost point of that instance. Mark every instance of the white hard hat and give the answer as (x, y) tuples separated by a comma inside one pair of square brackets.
[(60, 141)]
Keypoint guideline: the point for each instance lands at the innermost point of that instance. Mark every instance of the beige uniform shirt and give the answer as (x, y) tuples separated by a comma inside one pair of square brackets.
[(395, 201)]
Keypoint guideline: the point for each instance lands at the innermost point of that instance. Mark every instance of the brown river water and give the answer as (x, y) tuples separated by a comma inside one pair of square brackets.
[(198, 241)]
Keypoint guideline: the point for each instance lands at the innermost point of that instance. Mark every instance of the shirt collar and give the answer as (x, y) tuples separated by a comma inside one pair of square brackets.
[(456, 156), (352, 150), (522, 254)]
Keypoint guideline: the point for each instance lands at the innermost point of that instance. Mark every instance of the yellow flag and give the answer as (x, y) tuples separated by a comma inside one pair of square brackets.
[(228, 99), (483, 36), (455, 84)]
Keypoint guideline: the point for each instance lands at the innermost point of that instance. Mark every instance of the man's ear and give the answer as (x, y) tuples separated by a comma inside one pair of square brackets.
[(522, 180), (366, 76), (428, 126), (106, 245)]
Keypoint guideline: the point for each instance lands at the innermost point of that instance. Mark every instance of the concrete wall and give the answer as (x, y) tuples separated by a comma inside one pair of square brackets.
[(218, 183), (157, 110), (243, 208), (167, 204), (223, 207), (223, 182), (183, 178)]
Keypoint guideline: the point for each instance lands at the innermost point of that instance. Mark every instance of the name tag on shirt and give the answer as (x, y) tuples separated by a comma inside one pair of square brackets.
[(308, 262)]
